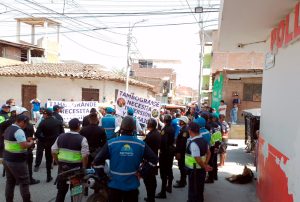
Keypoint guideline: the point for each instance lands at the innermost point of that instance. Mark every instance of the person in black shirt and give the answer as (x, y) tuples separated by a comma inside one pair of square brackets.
[(47, 132), (180, 150), (166, 156), (153, 141), (56, 110), (95, 136), (29, 131), (86, 121)]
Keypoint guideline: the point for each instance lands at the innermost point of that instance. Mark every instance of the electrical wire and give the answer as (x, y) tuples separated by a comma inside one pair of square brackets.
[(74, 20), (120, 27), (69, 29), (92, 50), (111, 15)]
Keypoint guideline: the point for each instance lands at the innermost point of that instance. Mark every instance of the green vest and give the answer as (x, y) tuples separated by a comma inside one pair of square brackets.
[(190, 161), (216, 137), (69, 156), (13, 147)]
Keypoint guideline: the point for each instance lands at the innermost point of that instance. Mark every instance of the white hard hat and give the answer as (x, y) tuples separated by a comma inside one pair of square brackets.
[(19, 110), (184, 119)]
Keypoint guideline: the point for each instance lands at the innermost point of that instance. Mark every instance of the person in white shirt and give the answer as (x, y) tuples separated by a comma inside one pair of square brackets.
[(222, 108)]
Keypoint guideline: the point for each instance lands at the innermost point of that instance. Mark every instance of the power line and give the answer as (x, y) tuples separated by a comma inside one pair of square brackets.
[(129, 13), (87, 48), (74, 20), (105, 15), (66, 28), (120, 27)]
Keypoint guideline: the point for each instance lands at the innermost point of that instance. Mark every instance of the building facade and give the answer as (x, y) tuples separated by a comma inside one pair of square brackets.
[(159, 74), (276, 33), (64, 82), (242, 76)]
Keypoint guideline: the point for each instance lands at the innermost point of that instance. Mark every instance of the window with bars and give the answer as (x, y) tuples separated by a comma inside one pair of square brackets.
[(90, 94), (252, 92)]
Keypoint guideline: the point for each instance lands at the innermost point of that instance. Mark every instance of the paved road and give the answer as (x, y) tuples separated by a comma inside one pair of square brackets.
[(219, 191)]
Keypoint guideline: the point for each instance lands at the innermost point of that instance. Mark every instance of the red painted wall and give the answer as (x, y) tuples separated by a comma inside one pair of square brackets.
[(272, 183)]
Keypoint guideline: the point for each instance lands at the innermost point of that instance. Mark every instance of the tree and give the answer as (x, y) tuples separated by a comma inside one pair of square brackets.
[(119, 72)]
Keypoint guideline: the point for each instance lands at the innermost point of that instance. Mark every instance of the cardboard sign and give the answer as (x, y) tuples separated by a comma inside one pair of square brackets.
[(74, 109), (144, 108)]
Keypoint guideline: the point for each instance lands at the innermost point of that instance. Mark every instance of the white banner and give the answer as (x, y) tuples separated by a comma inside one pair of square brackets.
[(74, 109), (144, 108)]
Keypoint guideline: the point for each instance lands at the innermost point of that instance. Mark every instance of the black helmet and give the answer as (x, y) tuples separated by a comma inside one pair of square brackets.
[(152, 123), (127, 124), (167, 118)]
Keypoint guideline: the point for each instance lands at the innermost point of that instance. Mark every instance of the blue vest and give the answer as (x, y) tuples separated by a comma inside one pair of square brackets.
[(126, 154), (205, 134), (108, 123)]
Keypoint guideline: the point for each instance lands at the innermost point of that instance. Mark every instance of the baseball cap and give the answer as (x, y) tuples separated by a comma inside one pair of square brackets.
[(200, 121), (184, 119), (5, 106), (18, 110), (109, 110), (22, 117), (56, 107), (74, 124), (48, 112), (130, 111), (215, 115), (194, 127)]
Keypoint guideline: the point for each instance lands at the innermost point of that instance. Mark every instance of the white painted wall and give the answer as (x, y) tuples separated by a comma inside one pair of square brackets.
[(280, 120), (59, 88)]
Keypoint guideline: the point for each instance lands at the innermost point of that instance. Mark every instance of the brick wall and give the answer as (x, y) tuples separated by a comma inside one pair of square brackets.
[(230, 86), (223, 60), (12, 53)]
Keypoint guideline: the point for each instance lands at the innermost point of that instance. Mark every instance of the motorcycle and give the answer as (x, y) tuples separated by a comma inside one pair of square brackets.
[(79, 178)]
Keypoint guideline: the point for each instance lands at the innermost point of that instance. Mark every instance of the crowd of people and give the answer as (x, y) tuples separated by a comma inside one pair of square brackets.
[(194, 138)]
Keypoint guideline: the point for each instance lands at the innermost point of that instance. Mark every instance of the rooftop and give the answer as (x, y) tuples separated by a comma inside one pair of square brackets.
[(8, 62), (63, 70), (20, 45), (38, 21)]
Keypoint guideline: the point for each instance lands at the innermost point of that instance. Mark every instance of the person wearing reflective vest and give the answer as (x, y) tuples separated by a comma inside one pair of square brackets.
[(215, 142), (70, 150), (196, 159), (4, 116), (14, 158), (126, 153), (109, 123), (137, 127)]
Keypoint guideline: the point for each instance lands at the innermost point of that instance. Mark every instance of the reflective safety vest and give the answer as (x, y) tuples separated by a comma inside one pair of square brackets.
[(126, 154), (4, 117), (13, 151), (190, 161), (216, 137), (69, 149), (109, 125)]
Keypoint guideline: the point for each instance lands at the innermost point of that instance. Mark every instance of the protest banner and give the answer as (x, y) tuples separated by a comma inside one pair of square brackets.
[(74, 109), (144, 108)]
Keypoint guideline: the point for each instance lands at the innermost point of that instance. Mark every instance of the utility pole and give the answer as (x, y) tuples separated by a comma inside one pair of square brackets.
[(199, 10), (128, 58), (129, 38)]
